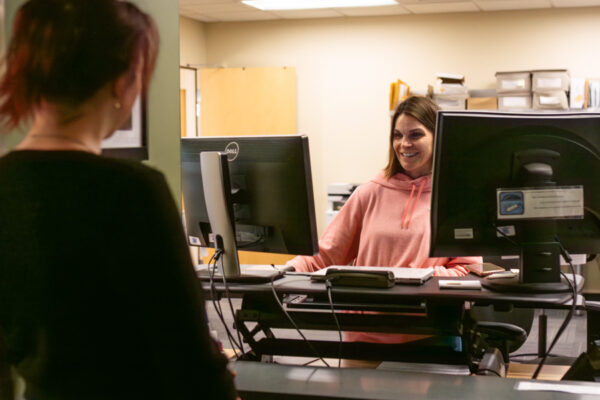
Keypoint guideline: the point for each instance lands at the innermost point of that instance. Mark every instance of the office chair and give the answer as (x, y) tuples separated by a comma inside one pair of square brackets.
[(493, 334)]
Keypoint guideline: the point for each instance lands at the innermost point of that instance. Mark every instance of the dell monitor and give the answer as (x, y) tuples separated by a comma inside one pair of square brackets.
[(517, 183), (248, 193)]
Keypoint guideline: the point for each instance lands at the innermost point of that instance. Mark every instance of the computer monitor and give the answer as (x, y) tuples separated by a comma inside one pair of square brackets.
[(267, 201), (517, 183)]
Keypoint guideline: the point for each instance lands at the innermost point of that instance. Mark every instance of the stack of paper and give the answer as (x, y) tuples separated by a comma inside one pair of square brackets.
[(449, 91)]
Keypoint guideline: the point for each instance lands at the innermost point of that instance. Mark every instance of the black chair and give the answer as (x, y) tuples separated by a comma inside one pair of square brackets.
[(494, 334)]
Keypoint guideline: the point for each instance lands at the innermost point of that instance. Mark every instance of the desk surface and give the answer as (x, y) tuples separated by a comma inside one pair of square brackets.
[(272, 381), (429, 291)]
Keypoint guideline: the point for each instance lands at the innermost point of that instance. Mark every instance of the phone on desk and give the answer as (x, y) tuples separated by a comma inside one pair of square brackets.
[(484, 269)]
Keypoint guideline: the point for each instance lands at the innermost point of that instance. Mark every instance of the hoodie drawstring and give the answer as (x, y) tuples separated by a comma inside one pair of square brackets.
[(410, 205), (405, 212)]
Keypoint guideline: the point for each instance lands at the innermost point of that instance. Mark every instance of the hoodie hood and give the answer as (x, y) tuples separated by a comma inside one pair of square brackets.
[(404, 182)]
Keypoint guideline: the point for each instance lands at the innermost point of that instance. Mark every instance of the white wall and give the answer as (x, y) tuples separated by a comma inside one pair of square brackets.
[(345, 67)]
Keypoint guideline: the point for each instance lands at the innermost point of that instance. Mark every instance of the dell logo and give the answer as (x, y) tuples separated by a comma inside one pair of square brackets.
[(232, 150)]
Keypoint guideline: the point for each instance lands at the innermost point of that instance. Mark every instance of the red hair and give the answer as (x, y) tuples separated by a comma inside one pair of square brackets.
[(64, 51)]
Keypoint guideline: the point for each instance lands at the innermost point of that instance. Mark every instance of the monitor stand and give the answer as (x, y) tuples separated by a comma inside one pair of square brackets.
[(514, 285), (219, 205), (245, 277), (539, 272)]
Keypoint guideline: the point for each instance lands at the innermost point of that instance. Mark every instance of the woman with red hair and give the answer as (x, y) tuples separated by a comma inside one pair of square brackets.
[(98, 296)]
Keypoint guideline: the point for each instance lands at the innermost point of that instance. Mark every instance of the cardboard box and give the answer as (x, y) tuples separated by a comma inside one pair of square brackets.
[(553, 100), (514, 101), (550, 80), (451, 102), (482, 103), (513, 82)]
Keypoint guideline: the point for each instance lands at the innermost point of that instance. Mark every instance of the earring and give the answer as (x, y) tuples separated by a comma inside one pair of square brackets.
[(117, 104)]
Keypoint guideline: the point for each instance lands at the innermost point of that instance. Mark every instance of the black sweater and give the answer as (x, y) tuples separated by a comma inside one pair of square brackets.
[(98, 297)]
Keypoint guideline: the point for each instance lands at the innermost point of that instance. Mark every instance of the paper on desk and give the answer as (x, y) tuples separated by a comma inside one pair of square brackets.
[(459, 284), (558, 387)]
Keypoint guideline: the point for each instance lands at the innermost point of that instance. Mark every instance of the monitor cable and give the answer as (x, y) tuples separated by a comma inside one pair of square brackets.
[(329, 286), (573, 286), (243, 246), (505, 236), (212, 266), (289, 317), (534, 355), (239, 336)]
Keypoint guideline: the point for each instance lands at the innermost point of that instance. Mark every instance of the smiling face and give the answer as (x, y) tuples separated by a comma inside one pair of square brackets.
[(413, 145)]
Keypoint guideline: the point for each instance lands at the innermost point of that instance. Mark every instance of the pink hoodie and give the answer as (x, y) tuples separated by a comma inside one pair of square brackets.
[(384, 223)]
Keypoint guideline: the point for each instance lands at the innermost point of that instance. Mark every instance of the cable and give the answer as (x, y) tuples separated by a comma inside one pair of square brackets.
[(534, 355), (260, 239), (505, 236), (212, 265), (217, 306), (294, 324), (310, 362), (573, 286), (488, 370), (328, 285), (239, 337)]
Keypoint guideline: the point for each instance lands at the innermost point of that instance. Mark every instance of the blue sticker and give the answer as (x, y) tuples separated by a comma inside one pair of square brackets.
[(194, 240), (511, 203)]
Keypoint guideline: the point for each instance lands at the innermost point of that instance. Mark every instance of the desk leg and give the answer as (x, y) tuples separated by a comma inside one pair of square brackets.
[(248, 337), (542, 334), (593, 322)]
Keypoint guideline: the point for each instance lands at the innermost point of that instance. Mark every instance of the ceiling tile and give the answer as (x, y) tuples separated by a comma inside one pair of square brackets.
[(428, 8), (576, 3), (185, 10), (257, 15), (229, 10), (300, 14), (368, 11), (224, 7), (182, 2), (497, 5), (201, 18), (427, 1)]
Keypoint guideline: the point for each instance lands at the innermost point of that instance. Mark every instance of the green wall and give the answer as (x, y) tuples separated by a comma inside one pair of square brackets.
[(163, 102)]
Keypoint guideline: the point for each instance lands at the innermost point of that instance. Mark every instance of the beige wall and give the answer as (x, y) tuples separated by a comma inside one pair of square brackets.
[(192, 46), (345, 66)]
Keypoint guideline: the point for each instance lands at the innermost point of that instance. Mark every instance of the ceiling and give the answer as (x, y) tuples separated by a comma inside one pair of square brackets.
[(235, 10)]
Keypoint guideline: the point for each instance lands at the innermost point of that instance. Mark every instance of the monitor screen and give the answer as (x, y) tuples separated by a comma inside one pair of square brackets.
[(271, 192), (507, 183)]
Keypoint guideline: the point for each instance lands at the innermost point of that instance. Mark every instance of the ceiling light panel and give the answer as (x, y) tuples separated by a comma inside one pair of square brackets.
[(314, 4), (498, 5), (307, 14), (373, 11), (428, 8)]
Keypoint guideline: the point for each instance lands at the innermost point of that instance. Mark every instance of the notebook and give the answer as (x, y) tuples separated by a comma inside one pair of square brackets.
[(415, 276)]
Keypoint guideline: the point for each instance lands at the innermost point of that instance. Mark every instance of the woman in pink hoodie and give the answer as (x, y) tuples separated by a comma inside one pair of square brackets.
[(386, 221)]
